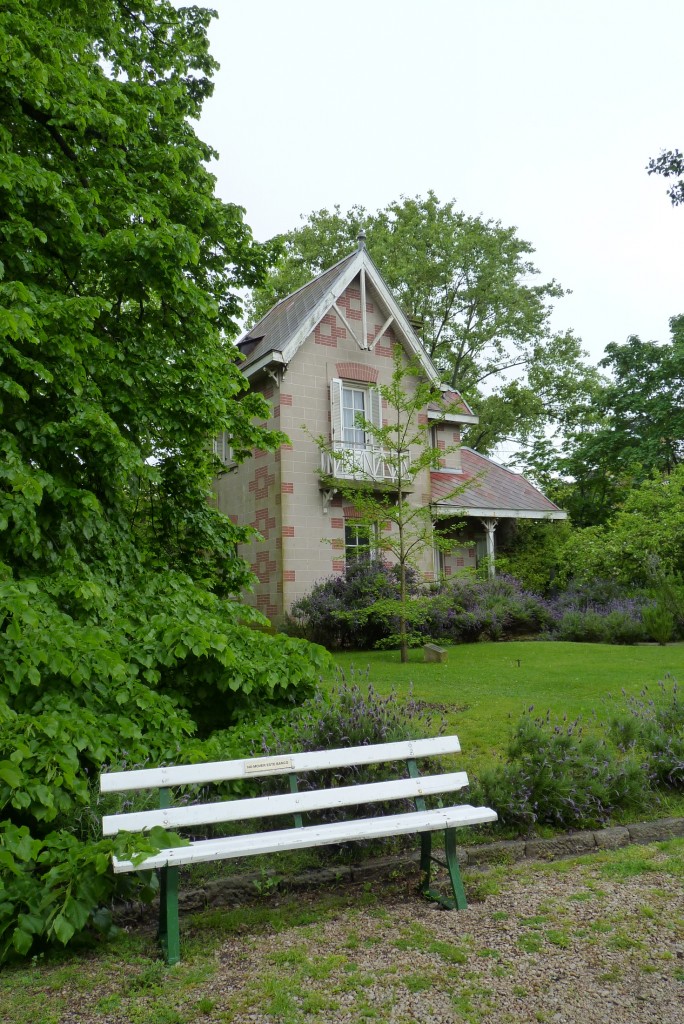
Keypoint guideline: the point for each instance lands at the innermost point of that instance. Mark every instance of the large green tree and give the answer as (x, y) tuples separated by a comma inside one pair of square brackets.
[(118, 273), (633, 428), (471, 288)]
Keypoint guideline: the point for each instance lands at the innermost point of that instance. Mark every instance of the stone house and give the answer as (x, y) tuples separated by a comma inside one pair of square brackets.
[(317, 358)]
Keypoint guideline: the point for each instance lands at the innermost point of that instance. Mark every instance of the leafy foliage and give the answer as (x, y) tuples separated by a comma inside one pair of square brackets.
[(118, 277), (633, 428), (655, 725), (670, 164), (555, 775)]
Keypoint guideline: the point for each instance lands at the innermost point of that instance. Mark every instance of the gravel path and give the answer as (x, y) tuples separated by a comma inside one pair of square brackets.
[(561, 944), (598, 941)]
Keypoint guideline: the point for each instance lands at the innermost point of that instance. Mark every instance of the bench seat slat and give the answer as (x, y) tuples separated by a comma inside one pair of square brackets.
[(285, 803), (222, 771), (312, 835)]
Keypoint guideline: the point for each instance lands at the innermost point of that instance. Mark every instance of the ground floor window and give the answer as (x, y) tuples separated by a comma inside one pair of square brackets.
[(359, 542)]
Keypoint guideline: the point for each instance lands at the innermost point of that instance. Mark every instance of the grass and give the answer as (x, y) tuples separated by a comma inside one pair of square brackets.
[(348, 953), (482, 687)]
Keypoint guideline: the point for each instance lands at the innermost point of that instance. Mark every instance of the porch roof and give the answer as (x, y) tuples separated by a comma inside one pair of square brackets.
[(491, 491)]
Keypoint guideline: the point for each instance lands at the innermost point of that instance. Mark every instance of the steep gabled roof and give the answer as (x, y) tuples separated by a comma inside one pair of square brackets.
[(273, 332), (277, 337), (490, 490)]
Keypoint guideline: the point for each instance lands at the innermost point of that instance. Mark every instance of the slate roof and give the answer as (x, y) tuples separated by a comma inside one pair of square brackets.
[(491, 487), (275, 329)]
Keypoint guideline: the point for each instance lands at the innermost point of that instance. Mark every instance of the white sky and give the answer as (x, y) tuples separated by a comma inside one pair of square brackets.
[(539, 113)]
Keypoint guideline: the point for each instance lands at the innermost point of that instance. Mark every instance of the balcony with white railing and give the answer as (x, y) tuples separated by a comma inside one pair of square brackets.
[(344, 461)]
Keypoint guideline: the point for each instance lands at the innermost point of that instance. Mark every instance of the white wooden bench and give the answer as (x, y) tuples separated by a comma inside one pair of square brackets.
[(416, 788)]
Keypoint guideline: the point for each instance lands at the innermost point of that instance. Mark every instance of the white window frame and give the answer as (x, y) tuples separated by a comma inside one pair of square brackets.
[(354, 455), (222, 448)]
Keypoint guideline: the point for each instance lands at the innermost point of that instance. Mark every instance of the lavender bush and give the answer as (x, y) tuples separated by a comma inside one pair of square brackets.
[(654, 726), (555, 775), (360, 611)]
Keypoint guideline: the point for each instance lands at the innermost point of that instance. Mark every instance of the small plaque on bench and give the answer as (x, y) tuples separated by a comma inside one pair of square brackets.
[(263, 765)]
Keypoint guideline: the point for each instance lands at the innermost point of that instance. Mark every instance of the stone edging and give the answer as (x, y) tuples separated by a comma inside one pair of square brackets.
[(237, 888)]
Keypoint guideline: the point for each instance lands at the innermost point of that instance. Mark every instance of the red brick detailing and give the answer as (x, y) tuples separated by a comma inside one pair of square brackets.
[(385, 403), (350, 512), (264, 605), (472, 553), (263, 522), (357, 371), (289, 576), (337, 501), (263, 567), (277, 456), (422, 419), (385, 421), (268, 391), (337, 523), (350, 302), (429, 577), (387, 527), (460, 562), (441, 445), (337, 544), (370, 308), (447, 570), (329, 331), (261, 483), (286, 399), (457, 437), (276, 412), (383, 350), (286, 448), (288, 531), (338, 565), (279, 587), (287, 488), (259, 453), (233, 519)]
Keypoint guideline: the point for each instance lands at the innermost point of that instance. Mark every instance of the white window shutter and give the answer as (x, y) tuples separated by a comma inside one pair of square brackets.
[(336, 410), (375, 411)]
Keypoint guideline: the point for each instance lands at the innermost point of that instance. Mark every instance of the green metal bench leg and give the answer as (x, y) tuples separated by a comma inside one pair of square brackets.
[(452, 866), (425, 862), (169, 935)]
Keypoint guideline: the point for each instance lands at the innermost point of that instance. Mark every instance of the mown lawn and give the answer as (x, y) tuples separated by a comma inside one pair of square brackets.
[(484, 687)]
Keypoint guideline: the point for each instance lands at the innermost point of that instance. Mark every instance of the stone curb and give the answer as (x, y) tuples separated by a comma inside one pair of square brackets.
[(238, 888)]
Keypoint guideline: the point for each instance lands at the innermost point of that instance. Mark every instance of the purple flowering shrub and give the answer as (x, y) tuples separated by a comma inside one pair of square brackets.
[(336, 613), (360, 610), (352, 714), (555, 775), (655, 727)]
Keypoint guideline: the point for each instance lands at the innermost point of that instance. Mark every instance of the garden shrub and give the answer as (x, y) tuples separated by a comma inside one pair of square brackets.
[(352, 714), (555, 775), (654, 729), (337, 611), (659, 623)]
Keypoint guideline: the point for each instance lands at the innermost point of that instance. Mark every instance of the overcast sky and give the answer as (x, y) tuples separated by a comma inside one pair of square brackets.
[(539, 113)]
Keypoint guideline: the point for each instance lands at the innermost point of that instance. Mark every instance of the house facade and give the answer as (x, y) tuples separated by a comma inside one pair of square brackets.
[(318, 357)]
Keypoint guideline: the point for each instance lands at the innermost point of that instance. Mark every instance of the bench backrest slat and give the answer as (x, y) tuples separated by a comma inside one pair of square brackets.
[(284, 803), (223, 771)]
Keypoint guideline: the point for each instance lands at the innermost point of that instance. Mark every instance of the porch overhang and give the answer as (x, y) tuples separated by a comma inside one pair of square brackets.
[(481, 512)]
